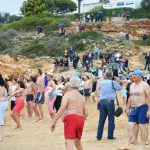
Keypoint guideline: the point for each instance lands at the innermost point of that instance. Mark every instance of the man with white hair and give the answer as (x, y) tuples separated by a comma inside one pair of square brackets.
[(74, 112)]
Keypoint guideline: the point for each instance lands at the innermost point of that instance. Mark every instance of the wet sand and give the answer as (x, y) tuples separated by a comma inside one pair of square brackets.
[(37, 136)]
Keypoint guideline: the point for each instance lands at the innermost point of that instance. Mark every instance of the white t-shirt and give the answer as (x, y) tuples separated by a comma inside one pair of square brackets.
[(59, 90), (13, 89)]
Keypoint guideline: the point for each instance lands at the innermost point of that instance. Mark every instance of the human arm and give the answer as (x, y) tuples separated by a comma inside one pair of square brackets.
[(85, 110), (60, 112), (97, 89), (147, 92)]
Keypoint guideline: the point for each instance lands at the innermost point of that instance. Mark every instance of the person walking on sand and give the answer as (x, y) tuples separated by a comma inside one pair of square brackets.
[(3, 105), (39, 97), (19, 103), (30, 95), (74, 112), (50, 94), (138, 109), (106, 92)]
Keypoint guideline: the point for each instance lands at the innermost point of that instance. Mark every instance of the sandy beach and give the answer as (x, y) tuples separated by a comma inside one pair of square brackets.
[(37, 136)]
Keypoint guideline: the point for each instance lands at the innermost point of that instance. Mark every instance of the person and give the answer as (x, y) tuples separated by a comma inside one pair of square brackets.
[(3, 105), (30, 95), (59, 94), (96, 52), (13, 89), (19, 103), (106, 93), (94, 84), (51, 94), (145, 37), (45, 80), (39, 96), (74, 112), (138, 109), (147, 62), (87, 88)]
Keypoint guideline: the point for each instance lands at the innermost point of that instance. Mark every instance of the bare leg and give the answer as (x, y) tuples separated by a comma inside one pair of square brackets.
[(1, 133), (143, 130), (41, 111), (69, 144), (130, 132), (135, 136), (78, 144), (52, 115), (147, 142), (93, 98), (15, 117), (30, 107), (36, 112)]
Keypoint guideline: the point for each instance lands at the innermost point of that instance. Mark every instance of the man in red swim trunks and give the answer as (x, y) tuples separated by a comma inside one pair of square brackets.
[(74, 112)]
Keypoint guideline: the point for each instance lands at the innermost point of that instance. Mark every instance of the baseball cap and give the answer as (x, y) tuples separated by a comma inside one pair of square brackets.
[(138, 72)]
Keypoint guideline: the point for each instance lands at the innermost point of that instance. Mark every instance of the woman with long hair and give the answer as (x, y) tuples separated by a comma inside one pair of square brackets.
[(19, 103), (3, 105)]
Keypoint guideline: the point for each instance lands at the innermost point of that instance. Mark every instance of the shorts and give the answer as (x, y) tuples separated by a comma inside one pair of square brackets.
[(138, 115), (51, 105), (12, 105), (29, 97), (37, 100), (124, 93), (19, 105), (73, 126), (3, 109), (86, 92)]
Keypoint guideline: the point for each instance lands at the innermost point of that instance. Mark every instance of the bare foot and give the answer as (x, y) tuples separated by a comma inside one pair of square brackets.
[(147, 143), (134, 142), (37, 120), (41, 120)]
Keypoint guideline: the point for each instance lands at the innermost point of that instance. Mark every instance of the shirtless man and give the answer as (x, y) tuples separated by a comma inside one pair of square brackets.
[(74, 111), (138, 109), (39, 97), (30, 95)]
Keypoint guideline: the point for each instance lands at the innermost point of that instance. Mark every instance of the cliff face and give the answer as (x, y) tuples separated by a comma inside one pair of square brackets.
[(17, 66)]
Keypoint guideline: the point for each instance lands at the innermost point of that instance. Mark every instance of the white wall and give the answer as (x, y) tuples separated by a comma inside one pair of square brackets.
[(123, 3), (87, 5)]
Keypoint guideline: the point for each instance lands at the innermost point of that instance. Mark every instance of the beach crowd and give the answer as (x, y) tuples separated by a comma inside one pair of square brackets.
[(68, 97)]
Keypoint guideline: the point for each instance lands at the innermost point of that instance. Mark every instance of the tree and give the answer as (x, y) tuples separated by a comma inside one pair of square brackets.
[(79, 6), (33, 7), (145, 4), (61, 6)]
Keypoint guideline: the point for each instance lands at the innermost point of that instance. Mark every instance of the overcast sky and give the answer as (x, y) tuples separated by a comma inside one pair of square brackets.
[(11, 6)]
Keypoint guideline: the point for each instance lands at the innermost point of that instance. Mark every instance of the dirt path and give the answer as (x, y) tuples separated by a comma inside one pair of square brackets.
[(37, 136)]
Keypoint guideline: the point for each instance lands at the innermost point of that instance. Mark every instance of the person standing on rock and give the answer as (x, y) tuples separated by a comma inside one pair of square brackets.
[(138, 109), (74, 112), (39, 97), (147, 61)]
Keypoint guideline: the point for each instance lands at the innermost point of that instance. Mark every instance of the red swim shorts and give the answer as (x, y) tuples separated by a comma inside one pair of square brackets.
[(19, 104), (73, 126)]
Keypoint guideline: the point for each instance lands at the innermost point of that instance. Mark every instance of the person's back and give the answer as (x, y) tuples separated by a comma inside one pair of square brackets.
[(76, 103)]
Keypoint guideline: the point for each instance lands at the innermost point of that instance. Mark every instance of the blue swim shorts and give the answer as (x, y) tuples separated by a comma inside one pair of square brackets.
[(138, 115)]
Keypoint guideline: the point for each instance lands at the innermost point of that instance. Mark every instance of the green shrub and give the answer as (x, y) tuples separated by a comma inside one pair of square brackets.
[(62, 69), (3, 45)]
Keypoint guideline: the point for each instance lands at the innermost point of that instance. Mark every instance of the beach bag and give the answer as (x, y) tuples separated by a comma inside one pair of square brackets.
[(119, 109)]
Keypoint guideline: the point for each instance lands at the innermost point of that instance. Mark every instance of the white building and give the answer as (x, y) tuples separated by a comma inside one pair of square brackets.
[(87, 5), (123, 3)]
